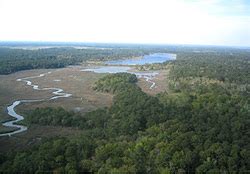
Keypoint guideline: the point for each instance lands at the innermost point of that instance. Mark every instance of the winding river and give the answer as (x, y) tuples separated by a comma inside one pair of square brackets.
[(58, 93)]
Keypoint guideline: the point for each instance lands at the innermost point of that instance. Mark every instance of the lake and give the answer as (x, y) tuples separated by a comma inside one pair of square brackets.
[(147, 59)]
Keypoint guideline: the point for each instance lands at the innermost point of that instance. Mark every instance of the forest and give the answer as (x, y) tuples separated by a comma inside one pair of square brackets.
[(201, 124), (16, 59)]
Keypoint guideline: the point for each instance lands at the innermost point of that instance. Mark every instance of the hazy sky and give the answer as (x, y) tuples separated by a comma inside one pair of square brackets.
[(210, 22)]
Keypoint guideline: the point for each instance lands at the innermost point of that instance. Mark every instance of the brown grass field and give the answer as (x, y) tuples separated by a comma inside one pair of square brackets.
[(71, 80)]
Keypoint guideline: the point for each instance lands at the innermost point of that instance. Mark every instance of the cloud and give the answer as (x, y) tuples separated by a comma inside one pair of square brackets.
[(143, 21)]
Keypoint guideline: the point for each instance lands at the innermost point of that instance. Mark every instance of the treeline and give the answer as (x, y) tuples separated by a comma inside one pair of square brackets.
[(203, 131), (13, 60)]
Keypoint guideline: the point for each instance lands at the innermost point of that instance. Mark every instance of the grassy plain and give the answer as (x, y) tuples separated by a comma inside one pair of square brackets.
[(71, 80)]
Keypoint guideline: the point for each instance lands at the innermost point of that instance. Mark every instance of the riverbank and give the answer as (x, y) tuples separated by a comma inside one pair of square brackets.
[(80, 84)]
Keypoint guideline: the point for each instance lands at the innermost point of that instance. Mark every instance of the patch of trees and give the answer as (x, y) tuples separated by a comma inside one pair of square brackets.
[(54, 117), (115, 82), (132, 109), (203, 131)]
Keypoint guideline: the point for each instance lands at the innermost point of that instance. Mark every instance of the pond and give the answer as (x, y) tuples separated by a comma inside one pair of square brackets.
[(108, 69)]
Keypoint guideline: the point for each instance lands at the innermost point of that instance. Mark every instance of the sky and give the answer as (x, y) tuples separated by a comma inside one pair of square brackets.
[(199, 22)]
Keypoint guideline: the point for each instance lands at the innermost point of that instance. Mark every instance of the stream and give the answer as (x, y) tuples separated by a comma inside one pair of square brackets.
[(58, 93)]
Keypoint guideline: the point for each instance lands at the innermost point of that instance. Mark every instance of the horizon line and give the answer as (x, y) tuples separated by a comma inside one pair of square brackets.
[(124, 43)]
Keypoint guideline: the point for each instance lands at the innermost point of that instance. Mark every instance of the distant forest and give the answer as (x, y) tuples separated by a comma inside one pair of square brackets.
[(13, 58)]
